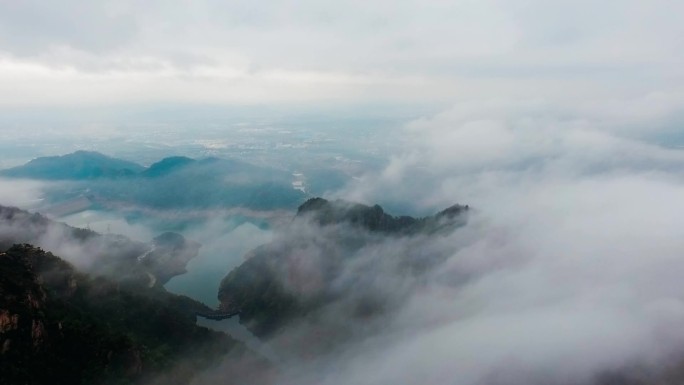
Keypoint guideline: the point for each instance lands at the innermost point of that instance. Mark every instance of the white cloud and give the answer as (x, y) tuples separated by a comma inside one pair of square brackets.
[(456, 155), (571, 258), (569, 278)]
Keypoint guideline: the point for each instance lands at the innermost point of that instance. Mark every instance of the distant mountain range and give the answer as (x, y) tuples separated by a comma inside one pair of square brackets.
[(172, 183)]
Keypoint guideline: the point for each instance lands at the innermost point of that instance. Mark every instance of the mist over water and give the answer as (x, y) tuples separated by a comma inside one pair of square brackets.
[(224, 240), (110, 223), (223, 248)]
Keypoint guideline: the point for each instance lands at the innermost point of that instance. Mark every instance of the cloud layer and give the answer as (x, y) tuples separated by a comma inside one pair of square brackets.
[(567, 273), (109, 52)]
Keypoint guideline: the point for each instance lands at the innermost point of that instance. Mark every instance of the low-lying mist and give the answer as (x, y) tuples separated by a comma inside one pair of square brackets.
[(568, 272), (23, 193)]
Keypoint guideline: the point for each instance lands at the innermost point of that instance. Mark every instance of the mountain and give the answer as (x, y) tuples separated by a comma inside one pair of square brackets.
[(167, 166), (374, 218), (115, 256), (175, 183), (334, 254), (80, 165), (60, 326), (172, 183)]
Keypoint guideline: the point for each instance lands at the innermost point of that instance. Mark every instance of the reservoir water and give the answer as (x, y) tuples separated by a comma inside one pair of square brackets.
[(223, 248), (224, 243)]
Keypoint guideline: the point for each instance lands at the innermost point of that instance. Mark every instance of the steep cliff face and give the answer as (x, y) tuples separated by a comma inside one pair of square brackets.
[(59, 326), (333, 253), (22, 300)]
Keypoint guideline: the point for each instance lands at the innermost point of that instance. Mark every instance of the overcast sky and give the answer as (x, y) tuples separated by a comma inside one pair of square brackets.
[(77, 53)]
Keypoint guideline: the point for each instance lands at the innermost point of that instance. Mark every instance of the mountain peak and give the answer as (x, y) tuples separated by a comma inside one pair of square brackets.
[(79, 165), (87, 153), (167, 165)]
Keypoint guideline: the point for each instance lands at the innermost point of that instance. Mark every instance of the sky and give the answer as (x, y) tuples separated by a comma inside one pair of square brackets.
[(108, 53)]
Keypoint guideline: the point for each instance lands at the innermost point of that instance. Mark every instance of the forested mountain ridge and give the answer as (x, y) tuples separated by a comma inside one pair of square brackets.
[(375, 219), (307, 268)]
